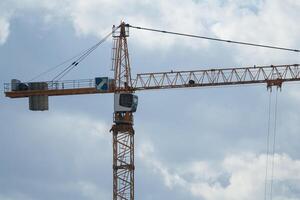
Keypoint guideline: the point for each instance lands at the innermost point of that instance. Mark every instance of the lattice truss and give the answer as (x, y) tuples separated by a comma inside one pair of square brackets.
[(214, 77), (123, 162), (121, 63)]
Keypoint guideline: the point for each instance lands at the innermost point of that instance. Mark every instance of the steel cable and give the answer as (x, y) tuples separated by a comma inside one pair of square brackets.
[(274, 144), (216, 39), (268, 145), (82, 57)]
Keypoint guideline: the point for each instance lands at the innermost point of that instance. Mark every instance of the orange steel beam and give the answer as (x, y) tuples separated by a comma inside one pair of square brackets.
[(271, 75), (54, 92)]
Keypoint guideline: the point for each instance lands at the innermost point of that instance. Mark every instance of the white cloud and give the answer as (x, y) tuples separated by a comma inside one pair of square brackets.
[(4, 30), (271, 21), (237, 177), (55, 151), (5, 17), (79, 125), (91, 191), (170, 180)]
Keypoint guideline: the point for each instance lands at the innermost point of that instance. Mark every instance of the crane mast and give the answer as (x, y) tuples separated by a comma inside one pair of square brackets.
[(122, 130)]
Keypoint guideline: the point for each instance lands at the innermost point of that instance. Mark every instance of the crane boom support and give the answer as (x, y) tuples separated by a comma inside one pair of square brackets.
[(271, 75)]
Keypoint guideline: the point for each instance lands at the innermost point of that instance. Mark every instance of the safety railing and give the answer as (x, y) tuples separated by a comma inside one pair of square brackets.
[(56, 85)]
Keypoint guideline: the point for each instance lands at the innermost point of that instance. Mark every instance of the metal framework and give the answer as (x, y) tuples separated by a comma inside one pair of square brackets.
[(123, 133), (122, 129), (123, 157), (121, 62), (271, 75)]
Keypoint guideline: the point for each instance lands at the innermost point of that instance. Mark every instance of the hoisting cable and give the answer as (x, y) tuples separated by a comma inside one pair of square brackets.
[(56, 66), (62, 63), (274, 144), (271, 147), (216, 39), (75, 63), (268, 145), (82, 57)]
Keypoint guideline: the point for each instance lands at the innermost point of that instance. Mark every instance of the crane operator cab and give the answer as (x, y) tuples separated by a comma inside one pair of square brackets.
[(125, 102)]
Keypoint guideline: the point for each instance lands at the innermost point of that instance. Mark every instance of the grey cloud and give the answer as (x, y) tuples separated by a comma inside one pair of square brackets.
[(64, 161)]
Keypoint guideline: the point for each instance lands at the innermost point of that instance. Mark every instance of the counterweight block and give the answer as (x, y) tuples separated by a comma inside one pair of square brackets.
[(39, 102)]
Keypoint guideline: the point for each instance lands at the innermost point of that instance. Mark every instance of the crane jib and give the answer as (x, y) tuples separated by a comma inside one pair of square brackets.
[(273, 75)]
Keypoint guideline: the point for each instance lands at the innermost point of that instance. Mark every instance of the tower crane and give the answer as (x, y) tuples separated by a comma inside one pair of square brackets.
[(124, 87)]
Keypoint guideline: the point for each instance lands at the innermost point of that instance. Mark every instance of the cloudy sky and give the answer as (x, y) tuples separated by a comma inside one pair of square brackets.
[(198, 144)]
